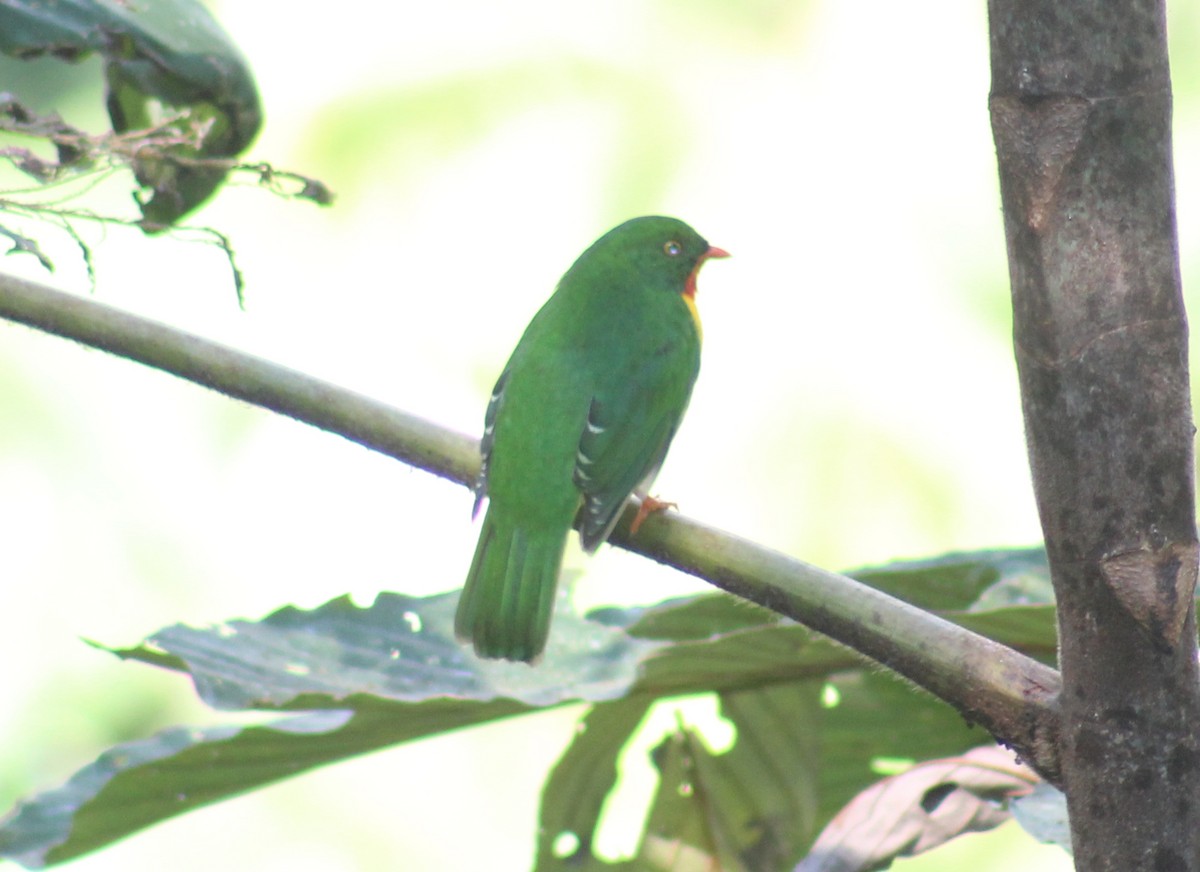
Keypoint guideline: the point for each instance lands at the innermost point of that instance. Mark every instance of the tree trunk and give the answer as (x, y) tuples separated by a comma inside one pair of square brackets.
[(1081, 115)]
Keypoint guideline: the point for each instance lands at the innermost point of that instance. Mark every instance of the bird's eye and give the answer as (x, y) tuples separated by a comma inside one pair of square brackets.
[(672, 248)]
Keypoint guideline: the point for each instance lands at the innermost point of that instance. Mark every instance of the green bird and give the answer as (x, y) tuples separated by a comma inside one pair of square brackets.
[(580, 418)]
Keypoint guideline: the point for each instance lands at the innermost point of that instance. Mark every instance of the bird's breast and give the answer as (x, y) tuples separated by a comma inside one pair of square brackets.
[(690, 302)]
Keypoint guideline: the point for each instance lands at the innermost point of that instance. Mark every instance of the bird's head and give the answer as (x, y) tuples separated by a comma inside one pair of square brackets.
[(663, 252)]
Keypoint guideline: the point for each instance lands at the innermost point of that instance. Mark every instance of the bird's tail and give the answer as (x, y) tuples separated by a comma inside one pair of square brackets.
[(508, 600)]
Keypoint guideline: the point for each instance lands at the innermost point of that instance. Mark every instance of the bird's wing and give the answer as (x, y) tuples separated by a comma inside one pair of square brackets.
[(489, 438), (623, 444)]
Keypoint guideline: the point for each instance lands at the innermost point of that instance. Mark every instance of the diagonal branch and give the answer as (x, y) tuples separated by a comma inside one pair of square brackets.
[(1012, 695)]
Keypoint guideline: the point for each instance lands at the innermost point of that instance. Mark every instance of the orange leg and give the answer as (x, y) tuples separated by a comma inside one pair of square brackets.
[(648, 506)]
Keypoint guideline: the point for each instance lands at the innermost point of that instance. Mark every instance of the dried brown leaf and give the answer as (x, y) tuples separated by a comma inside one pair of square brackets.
[(920, 809)]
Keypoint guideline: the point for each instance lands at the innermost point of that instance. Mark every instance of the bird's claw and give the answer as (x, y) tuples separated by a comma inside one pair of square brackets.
[(648, 506)]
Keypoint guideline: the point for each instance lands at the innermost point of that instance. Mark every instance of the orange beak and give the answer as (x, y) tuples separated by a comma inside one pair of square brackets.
[(689, 287)]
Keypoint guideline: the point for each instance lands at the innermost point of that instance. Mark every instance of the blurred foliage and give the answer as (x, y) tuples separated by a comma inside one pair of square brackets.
[(159, 55), (809, 715), (182, 104), (413, 127)]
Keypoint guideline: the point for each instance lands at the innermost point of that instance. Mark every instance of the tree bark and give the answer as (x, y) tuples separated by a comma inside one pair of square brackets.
[(1081, 116)]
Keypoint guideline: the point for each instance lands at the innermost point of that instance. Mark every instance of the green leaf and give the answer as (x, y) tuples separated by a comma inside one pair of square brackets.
[(1004, 595), (140, 783), (793, 766), (810, 722), (676, 837), (383, 675), (580, 783), (400, 649), (761, 798), (168, 53), (966, 580), (393, 672)]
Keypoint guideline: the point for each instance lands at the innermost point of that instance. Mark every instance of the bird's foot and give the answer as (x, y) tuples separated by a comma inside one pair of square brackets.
[(648, 506)]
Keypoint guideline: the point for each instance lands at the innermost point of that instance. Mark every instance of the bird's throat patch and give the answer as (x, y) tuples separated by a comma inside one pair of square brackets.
[(691, 304)]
